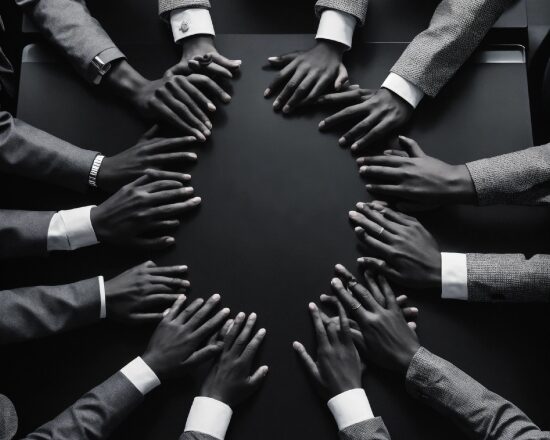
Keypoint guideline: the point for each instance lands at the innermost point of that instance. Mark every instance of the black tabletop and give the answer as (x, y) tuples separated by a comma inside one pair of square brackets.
[(130, 21), (273, 223)]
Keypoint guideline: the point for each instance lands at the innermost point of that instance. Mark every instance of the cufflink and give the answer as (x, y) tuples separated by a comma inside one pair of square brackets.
[(184, 27)]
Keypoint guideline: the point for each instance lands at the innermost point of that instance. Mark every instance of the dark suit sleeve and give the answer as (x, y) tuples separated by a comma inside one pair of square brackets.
[(69, 26), (29, 152), (167, 6), (508, 278), (518, 178), (480, 413), (373, 429), (455, 31), (24, 233), (35, 312), (95, 415)]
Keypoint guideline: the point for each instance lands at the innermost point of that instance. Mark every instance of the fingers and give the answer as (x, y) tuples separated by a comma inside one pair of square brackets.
[(176, 308), (374, 243), (182, 104), (212, 69), (225, 62), (411, 147), (373, 288), (345, 330), (258, 377), (198, 101), (203, 312), (352, 306), (152, 244), (301, 92), (213, 325), (348, 114), (371, 227), (146, 318), (172, 158), (244, 336), (374, 135), (379, 266), (288, 90), (209, 86), (171, 282), (358, 131), (390, 214), (204, 354), (234, 331), (174, 209), (253, 346), (410, 313), (307, 361), (341, 78), (349, 97), (387, 291), (378, 218), (169, 270), (322, 337), (282, 60), (398, 153), (152, 174), (165, 113), (170, 144), (352, 281)]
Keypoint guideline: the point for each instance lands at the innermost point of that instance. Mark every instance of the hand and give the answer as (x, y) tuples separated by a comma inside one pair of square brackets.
[(179, 339), (406, 252), (306, 75), (381, 113), (177, 100), (417, 177), (390, 342), (198, 49), (143, 293), (338, 367), (142, 207), (150, 153), (230, 381)]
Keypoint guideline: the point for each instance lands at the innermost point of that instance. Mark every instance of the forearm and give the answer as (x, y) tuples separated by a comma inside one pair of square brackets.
[(479, 412), (521, 177), (36, 312), (508, 278), (124, 80), (455, 31), (69, 26), (32, 153), (94, 415)]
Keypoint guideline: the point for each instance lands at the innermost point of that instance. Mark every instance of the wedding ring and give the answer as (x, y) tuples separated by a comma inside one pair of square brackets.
[(205, 60), (380, 232), (356, 306)]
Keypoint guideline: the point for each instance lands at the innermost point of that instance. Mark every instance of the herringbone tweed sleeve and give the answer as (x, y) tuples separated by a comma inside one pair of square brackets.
[(192, 435), (456, 29), (508, 278), (166, 6), (480, 413), (373, 429), (357, 8), (518, 178)]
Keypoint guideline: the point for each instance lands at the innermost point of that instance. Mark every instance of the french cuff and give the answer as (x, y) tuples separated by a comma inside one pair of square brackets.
[(404, 88), (350, 407), (188, 22), (336, 26), (141, 375), (454, 276), (209, 416), (71, 229), (102, 298)]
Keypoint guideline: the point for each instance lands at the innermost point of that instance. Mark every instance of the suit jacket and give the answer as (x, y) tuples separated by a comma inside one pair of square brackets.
[(35, 312), (69, 26), (456, 29), (35, 154), (95, 415), (478, 412), (191, 435), (373, 429), (24, 233), (357, 8)]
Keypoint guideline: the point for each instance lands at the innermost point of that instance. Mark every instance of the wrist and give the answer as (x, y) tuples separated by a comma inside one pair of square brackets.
[(104, 174), (406, 358), (195, 44), (333, 47), (125, 80), (97, 220), (154, 364), (462, 185)]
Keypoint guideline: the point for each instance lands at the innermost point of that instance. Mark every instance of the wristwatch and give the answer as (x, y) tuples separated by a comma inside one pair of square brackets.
[(96, 165)]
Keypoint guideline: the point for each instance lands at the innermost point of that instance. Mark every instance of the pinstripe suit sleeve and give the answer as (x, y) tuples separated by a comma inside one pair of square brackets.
[(480, 413), (24, 233), (519, 178), (166, 6), (373, 429), (508, 278), (35, 312), (456, 29), (191, 435), (32, 153), (95, 415), (357, 8), (69, 26)]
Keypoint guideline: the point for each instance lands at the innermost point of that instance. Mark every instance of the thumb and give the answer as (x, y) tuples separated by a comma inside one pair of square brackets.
[(204, 354), (342, 79), (258, 377), (411, 147), (282, 60)]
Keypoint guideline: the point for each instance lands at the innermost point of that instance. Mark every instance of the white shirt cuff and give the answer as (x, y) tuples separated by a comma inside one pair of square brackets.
[(103, 300), (336, 26), (188, 22), (404, 88), (350, 407), (141, 375), (454, 276), (209, 416), (70, 230)]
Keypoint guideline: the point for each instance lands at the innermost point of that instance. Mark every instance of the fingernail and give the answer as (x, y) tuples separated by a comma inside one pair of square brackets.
[(216, 297), (252, 316), (361, 260), (192, 138), (185, 283), (368, 186), (187, 176), (166, 312), (238, 62), (169, 240), (200, 136), (193, 155), (312, 306), (353, 214), (183, 268), (354, 146), (339, 266), (265, 369), (207, 132), (182, 297), (211, 107), (358, 229), (275, 104), (414, 309), (363, 169), (208, 124), (297, 345), (286, 109), (273, 58), (261, 332), (195, 200), (240, 315), (360, 205), (342, 141), (226, 97), (226, 310), (267, 92), (322, 124), (335, 281)]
